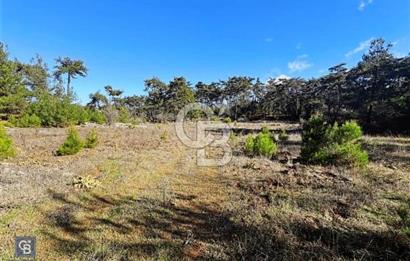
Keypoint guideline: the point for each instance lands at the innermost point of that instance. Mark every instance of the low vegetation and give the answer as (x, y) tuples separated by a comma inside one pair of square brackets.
[(323, 143), (72, 145), (261, 145), (152, 195), (6, 144), (283, 135), (91, 140), (404, 214)]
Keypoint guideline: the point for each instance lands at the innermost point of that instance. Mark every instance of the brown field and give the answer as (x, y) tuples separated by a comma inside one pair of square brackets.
[(152, 202)]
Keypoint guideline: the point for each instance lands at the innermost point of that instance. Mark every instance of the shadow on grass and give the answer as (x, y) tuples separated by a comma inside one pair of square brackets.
[(148, 228)]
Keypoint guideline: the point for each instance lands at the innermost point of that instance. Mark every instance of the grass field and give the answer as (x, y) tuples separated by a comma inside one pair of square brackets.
[(150, 201)]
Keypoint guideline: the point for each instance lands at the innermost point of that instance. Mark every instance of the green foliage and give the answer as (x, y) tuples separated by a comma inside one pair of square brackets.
[(7, 124), (325, 144), (404, 214), (13, 94), (164, 101), (57, 111), (351, 154), (233, 137), (314, 137), (249, 145), (72, 68), (123, 115), (72, 145), (261, 145), (227, 120), (265, 130), (97, 117), (6, 144), (26, 121), (264, 145), (91, 140), (283, 135), (349, 131)]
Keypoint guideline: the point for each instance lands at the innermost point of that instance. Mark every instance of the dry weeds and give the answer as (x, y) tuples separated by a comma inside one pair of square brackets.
[(154, 203)]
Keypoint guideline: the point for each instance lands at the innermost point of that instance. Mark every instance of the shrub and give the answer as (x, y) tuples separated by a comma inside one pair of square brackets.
[(314, 137), (249, 144), (261, 145), (97, 117), (351, 154), (227, 120), (265, 130), (348, 132), (332, 144), (7, 124), (264, 145), (54, 111), (123, 115), (72, 145), (283, 136), (80, 116), (6, 144), (91, 140), (26, 121)]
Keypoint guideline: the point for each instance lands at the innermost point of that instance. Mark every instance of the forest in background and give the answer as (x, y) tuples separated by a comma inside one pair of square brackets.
[(375, 92)]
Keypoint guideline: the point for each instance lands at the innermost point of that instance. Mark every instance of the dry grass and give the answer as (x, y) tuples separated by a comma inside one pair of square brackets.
[(154, 203)]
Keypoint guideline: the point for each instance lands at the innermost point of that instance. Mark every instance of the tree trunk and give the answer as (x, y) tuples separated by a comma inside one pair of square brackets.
[(369, 114), (68, 84)]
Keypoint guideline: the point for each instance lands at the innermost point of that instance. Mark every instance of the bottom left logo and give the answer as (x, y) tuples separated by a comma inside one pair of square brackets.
[(25, 246)]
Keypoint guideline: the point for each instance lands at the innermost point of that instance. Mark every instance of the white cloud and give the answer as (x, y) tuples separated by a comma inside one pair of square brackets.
[(364, 3), (300, 64), (362, 46), (280, 78)]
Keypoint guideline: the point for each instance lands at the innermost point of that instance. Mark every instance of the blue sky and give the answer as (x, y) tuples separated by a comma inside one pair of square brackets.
[(124, 42)]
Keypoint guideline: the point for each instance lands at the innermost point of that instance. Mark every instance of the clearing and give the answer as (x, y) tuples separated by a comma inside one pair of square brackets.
[(152, 202)]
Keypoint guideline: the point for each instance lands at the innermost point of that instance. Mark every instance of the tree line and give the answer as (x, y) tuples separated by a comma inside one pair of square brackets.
[(375, 92)]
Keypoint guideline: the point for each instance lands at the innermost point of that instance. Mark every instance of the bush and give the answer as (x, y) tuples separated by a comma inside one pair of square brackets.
[(54, 111), (325, 144), (314, 137), (249, 144), (123, 115), (6, 144), (26, 121), (261, 145), (97, 117), (91, 140), (264, 145), (72, 145), (349, 131), (283, 136), (265, 130), (227, 120)]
